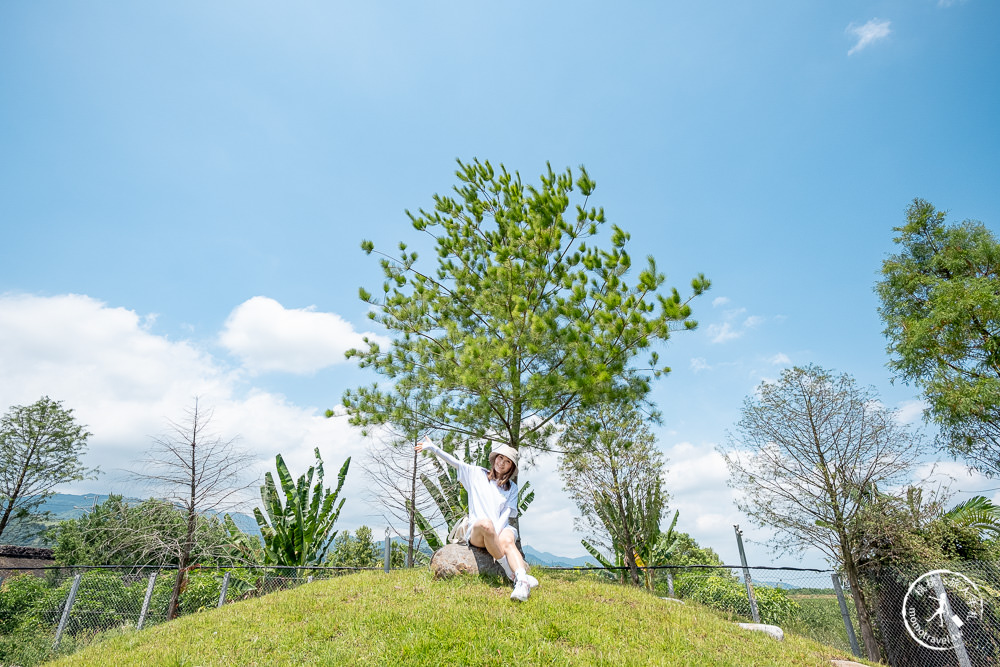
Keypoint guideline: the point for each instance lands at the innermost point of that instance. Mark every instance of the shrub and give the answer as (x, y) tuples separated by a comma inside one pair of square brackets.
[(730, 595), (205, 586), (18, 597)]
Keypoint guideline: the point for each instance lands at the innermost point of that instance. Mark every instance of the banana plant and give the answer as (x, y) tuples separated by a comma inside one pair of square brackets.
[(451, 499), (300, 531), (640, 525)]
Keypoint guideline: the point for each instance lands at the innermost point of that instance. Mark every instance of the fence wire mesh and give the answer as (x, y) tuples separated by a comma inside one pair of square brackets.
[(68, 607), (803, 601), (926, 616), (937, 615)]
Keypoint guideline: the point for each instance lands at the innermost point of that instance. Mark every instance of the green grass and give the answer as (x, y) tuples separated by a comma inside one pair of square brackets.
[(819, 617), (408, 618)]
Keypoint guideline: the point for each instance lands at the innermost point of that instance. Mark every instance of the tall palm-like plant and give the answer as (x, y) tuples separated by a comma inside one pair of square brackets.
[(977, 512), (300, 531)]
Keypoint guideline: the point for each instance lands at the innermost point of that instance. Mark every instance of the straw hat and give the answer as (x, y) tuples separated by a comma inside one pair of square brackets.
[(507, 451)]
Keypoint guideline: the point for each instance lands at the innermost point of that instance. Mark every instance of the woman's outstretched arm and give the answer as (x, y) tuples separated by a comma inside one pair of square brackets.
[(428, 444)]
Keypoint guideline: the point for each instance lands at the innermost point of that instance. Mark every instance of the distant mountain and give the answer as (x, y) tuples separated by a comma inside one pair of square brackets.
[(69, 506), (64, 506), (544, 558)]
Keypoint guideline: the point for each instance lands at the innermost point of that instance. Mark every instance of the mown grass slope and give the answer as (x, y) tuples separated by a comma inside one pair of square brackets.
[(373, 618)]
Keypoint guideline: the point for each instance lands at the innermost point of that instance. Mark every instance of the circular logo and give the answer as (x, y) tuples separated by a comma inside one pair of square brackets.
[(936, 607)]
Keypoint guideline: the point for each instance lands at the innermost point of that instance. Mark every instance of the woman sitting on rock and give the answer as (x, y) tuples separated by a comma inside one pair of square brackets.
[(492, 501)]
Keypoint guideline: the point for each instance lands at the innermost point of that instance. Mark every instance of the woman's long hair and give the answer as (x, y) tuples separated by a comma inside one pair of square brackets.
[(503, 482)]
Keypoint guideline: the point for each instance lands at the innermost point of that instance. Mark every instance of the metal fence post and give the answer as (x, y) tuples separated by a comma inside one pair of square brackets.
[(670, 583), (225, 588), (949, 619), (65, 615), (746, 575), (851, 637), (147, 600), (388, 548)]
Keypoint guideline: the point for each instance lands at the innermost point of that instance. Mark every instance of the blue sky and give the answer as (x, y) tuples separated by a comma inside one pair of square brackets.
[(184, 187)]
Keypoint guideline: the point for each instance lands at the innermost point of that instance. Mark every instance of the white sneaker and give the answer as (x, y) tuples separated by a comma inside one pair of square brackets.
[(532, 582), (521, 590)]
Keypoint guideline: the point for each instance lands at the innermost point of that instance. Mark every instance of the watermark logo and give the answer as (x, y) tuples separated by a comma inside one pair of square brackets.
[(938, 605)]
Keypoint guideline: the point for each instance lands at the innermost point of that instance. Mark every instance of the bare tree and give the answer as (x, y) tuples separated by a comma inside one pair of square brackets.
[(199, 472), (394, 469), (808, 451)]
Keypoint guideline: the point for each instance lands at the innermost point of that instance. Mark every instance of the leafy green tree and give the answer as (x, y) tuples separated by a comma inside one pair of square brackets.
[(40, 448), (117, 532), (356, 551), (978, 513), (300, 531), (524, 318), (803, 455), (940, 302), (614, 474), (683, 550), (896, 529)]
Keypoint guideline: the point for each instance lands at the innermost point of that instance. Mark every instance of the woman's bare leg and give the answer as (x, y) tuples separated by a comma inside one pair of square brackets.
[(484, 535)]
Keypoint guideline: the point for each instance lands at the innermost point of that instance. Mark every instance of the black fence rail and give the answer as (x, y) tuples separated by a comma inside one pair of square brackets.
[(809, 602), (66, 607), (927, 616)]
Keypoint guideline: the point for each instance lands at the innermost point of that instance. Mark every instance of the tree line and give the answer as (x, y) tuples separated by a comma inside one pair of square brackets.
[(529, 327)]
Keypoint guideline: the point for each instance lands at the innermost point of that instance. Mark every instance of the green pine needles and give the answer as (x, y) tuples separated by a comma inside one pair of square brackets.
[(522, 316)]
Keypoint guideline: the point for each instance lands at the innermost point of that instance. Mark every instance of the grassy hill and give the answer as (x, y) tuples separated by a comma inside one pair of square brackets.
[(405, 617)]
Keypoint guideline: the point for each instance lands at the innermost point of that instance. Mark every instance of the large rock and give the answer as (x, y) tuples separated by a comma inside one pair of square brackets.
[(453, 559), (772, 630)]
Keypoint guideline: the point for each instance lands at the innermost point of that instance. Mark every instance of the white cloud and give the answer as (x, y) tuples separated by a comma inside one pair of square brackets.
[(548, 524), (697, 482), (123, 382), (721, 333), (868, 34), (268, 337), (731, 327), (911, 412), (699, 364), (719, 301), (780, 359)]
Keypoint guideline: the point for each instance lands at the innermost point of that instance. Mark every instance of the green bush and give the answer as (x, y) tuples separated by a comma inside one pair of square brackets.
[(730, 595), (30, 645), (205, 586), (18, 597)]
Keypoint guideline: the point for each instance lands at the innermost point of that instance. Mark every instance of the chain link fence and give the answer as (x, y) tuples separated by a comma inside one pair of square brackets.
[(937, 615), (799, 600), (925, 616), (43, 610)]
